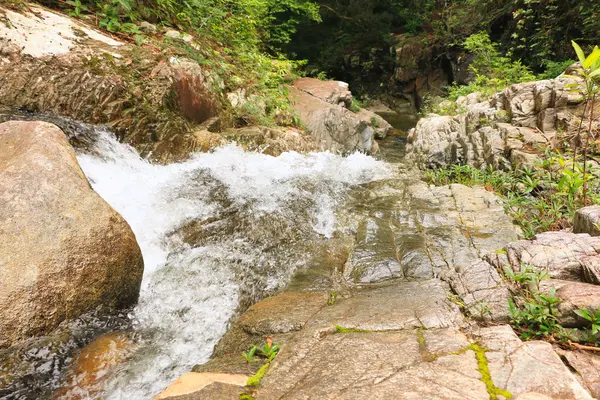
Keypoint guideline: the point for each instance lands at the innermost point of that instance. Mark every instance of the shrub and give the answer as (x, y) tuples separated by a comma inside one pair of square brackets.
[(492, 70)]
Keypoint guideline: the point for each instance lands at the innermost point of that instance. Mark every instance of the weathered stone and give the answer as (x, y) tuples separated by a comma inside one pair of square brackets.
[(522, 160), (283, 313), (190, 87), (530, 367), (587, 220), (407, 305), (562, 254), (375, 365), (271, 140), (92, 365), (574, 296), (332, 92), (508, 131), (205, 386), (334, 127), (147, 26), (63, 250), (381, 127), (483, 293), (587, 366), (590, 266)]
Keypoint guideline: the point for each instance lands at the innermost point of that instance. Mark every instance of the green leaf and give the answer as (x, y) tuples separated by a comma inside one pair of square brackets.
[(583, 314), (591, 59), (594, 73), (580, 53)]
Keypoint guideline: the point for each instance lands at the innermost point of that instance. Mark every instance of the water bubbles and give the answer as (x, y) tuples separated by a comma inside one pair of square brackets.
[(219, 230)]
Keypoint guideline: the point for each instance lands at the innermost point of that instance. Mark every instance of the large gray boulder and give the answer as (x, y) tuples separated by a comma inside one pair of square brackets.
[(335, 127), (63, 250)]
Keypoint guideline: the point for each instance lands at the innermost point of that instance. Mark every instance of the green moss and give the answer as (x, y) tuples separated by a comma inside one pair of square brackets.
[(426, 355), (332, 298), (341, 329), (246, 396), (254, 381), (486, 377)]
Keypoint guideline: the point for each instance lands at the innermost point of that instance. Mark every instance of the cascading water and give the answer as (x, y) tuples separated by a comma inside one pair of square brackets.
[(222, 229)]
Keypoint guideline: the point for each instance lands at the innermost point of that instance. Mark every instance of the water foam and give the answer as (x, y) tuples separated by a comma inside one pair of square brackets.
[(191, 291)]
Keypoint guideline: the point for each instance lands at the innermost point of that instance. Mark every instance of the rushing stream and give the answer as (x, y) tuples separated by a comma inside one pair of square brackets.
[(217, 232), (256, 216)]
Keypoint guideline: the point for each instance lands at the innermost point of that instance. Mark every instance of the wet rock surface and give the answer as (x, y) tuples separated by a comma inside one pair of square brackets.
[(393, 322)]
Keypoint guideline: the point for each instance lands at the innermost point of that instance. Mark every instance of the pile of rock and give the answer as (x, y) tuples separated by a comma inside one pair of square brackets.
[(504, 132)]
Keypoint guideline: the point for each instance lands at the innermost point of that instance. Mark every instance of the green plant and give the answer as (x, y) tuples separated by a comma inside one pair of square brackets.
[(269, 350), (356, 105), (535, 316), (528, 276), (341, 329), (78, 8), (331, 298), (250, 356), (492, 71), (589, 71), (374, 122), (552, 69), (593, 317)]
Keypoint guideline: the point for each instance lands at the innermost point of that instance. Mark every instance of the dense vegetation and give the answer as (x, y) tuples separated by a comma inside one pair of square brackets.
[(354, 40)]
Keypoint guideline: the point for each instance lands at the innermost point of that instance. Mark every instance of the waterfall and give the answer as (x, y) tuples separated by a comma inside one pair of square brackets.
[(219, 230)]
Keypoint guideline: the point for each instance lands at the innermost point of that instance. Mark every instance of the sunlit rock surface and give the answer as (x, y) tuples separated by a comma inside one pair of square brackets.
[(63, 250)]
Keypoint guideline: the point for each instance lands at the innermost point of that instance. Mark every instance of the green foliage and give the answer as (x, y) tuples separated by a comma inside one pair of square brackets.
[(539, 30), (533, 314), (250, 355), (332, 298), (593, 317), (441, 106), (589, 71), (528, 276), (552, 69), (374, 122), (540, 199), (356, 105), (493, 72), (267, 351)]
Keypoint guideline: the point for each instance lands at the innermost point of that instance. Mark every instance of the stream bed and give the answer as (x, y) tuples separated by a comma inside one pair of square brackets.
[(218, 233)]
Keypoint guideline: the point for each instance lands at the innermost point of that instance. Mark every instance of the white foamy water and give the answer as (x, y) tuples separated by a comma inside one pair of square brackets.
[(191, 290)]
